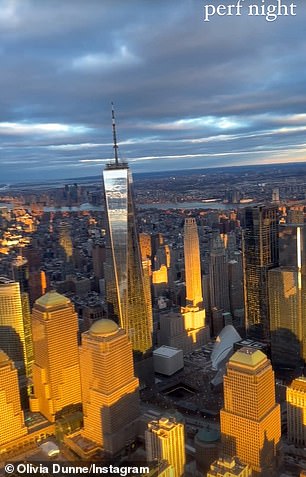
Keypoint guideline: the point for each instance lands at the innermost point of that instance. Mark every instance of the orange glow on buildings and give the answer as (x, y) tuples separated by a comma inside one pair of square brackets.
[(193, 280), (145, 246), (56, 371), (160, 276), (109, 387), (12, 424), (165, 441), (296, 412), (12, 341), (229, 467), (250, 419), (194, 313)]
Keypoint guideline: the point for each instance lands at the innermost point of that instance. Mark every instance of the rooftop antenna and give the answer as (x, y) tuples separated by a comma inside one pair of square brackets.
[(115, 146)]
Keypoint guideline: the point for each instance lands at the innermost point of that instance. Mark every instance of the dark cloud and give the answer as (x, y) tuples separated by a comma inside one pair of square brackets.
[(228, 91)]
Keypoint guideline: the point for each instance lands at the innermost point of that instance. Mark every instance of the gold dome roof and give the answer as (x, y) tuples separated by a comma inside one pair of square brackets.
[(52, 299), (248, 357), (103, 328)]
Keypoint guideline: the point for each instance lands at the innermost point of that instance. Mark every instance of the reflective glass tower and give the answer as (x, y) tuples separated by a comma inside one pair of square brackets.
[(260, 254), (125, 288)]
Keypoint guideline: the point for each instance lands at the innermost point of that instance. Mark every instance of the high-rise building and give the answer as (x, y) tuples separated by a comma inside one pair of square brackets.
[(287, 316), (12, 336), (296, 412), (145, 246), (165, 440), (229, 467), (193, 313), (21, 275), (12, 424), (124, 274), (260, 254), (109, 388), (218, 270), (193, 280), (56, 371), (250, 419), (65, 241), (98, 259)]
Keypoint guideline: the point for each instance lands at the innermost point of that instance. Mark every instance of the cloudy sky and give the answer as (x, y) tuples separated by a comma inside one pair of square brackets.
[(187, 93)]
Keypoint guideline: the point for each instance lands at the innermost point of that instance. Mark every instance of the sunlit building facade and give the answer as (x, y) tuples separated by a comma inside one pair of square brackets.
[(250, 419), (194, 315), (12, 424), (124, 274), (56, 370), (296, 412), (165, 440), (287, 316), (110, 395), (229, 467), (125, 266), (20, 270), (12, 335), (260, 254)]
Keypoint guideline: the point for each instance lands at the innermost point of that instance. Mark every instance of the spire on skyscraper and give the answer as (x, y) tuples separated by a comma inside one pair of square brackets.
[(115, 136)]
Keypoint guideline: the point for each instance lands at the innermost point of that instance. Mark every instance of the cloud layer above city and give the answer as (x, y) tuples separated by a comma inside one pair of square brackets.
[(187, 93)]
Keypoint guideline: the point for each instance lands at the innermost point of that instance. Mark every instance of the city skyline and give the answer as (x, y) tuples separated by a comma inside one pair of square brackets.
[(219, 93)]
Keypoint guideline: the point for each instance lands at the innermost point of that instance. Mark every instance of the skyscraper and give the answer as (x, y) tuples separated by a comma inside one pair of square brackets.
[(109, 388), (260, 253), (296, 412), (124, 274), (12, 424), (165, 441), (21, 275), (56, 371), (287, 316), (12, 336), (193, 313), (218, 271), (250, 419), (193, 280)]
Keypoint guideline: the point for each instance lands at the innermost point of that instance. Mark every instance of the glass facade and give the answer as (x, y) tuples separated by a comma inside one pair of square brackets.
[(125, 288), (260, 254)]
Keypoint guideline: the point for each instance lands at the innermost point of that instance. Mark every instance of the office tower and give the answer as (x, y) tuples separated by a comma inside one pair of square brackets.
[(109, 388), (218, 271), (296, 412), (229, 467), (165, 440), (292, 244), (98, 259), (56, 371), (37, 285), (235, 279), (12, 337), (250, 419), (65, 241), (287, 316), (193, 280), (296, 215), (193, 313), (260, 254), (20, 271), (125, 283), (12, 424), (275, 195), (145, 246), (146, 268), (157, 240)]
